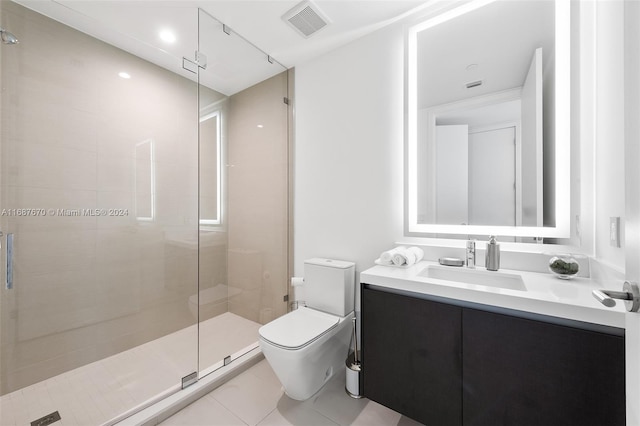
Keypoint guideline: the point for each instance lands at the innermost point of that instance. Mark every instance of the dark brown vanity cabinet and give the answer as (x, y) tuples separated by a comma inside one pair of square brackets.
[(411, 351), (446, 363), (520, 371)]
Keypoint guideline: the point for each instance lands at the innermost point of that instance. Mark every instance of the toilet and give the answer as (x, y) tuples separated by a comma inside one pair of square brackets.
[(306, 347)]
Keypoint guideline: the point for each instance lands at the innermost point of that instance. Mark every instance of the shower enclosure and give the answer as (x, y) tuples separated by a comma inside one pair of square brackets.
[(143, 204)]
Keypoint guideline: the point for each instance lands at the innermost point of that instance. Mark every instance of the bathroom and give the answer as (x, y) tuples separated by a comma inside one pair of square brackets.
[(350, 100)]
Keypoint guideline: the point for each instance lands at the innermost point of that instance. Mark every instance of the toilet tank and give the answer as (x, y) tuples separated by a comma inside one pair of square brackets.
[(329, 285)]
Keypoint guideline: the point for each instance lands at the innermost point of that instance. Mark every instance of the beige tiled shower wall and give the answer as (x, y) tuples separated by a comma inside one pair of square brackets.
[(87, 287), (258, 200)]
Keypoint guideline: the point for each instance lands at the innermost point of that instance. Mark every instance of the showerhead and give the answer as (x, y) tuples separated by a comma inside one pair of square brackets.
[(7, 37)]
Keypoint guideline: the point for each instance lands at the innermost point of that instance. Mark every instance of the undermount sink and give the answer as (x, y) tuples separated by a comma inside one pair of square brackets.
[(474, 276)]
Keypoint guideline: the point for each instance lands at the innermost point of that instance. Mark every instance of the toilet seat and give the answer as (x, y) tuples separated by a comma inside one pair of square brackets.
[(298, 328)]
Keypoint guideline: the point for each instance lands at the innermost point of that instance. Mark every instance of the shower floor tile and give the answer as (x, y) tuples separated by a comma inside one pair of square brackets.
[(256, 398), (96, 393)]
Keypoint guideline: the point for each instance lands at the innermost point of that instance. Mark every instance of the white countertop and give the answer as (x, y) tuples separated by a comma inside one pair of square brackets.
[(545, 294)]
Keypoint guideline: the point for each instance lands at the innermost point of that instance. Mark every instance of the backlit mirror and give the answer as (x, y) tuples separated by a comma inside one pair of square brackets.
[(488, 120)]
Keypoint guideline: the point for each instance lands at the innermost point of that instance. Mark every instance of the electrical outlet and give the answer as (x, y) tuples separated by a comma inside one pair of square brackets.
[(614, 231)]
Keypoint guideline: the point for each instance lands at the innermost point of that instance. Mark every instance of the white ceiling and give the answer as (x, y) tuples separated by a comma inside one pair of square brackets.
[(233, 64), (494, 43)]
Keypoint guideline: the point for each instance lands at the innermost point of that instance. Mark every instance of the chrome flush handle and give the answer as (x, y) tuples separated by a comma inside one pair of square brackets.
[(630, 294)]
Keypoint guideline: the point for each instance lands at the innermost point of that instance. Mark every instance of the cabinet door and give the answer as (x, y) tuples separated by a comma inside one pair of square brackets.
[(411, 356), (525, 372)]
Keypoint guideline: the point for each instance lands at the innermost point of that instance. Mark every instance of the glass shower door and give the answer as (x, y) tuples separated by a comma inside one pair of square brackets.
[(99, 215), (244, 224)]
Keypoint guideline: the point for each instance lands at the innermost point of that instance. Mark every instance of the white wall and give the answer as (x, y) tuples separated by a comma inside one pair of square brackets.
[(349, 151), (609, 151), (632, 155)]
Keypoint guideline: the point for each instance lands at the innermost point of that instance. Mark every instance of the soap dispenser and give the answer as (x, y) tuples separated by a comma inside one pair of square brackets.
[(492, 256)]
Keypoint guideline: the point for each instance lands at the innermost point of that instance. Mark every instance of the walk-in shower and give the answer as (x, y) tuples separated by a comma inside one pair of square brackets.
[(144, 184)]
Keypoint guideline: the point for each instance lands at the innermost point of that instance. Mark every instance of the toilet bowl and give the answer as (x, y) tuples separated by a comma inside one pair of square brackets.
[(306, 347), (311, 346)]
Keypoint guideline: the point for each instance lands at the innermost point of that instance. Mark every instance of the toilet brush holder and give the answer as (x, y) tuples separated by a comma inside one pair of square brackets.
[(354, 368), (354, 373)]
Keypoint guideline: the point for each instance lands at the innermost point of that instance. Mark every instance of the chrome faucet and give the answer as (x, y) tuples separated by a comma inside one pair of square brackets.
[(471, 254)]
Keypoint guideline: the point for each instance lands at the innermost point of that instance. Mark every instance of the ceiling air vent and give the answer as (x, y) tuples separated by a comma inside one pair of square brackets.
[(306, 18)]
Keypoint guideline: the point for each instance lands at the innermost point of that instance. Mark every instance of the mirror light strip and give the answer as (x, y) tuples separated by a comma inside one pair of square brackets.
[(562, 119)]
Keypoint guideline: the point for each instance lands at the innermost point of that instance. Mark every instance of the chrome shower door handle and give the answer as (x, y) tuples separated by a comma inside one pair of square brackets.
[(630, 295), (9, 282)]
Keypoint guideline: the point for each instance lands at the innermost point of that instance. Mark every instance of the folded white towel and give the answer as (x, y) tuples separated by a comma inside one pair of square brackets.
[(417, 251), (387, 256), (401, 257), (407, 256)]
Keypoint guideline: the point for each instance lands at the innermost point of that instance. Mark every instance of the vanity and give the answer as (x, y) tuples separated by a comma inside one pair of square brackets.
[(455, 346)]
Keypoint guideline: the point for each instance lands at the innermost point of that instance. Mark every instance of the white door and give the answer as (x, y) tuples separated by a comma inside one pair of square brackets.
[(632, 272), (492, 177), (632, 184), (452, 175)]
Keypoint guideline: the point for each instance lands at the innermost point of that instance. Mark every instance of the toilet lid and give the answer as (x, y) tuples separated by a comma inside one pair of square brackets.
[(298, 328)]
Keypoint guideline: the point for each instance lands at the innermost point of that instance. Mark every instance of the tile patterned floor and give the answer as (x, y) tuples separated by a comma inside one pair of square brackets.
[(98, 392), (256, 397)]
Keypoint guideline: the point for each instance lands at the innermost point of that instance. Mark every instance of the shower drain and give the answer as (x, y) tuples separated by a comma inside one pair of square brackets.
[(46, 420)]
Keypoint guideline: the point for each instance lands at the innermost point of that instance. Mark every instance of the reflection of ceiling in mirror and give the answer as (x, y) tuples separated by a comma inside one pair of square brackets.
[(476, 117), (498, 38)]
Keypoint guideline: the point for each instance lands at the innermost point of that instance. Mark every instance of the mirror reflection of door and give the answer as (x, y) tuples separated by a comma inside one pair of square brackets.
[(492, 177), (476, 175), (452, 175)]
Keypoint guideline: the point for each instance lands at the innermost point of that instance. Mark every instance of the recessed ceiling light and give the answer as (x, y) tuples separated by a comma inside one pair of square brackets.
[(167, 36), (260, 126), (124, 75)]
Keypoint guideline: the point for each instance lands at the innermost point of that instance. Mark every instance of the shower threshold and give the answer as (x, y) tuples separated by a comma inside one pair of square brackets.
[(175, 402)]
